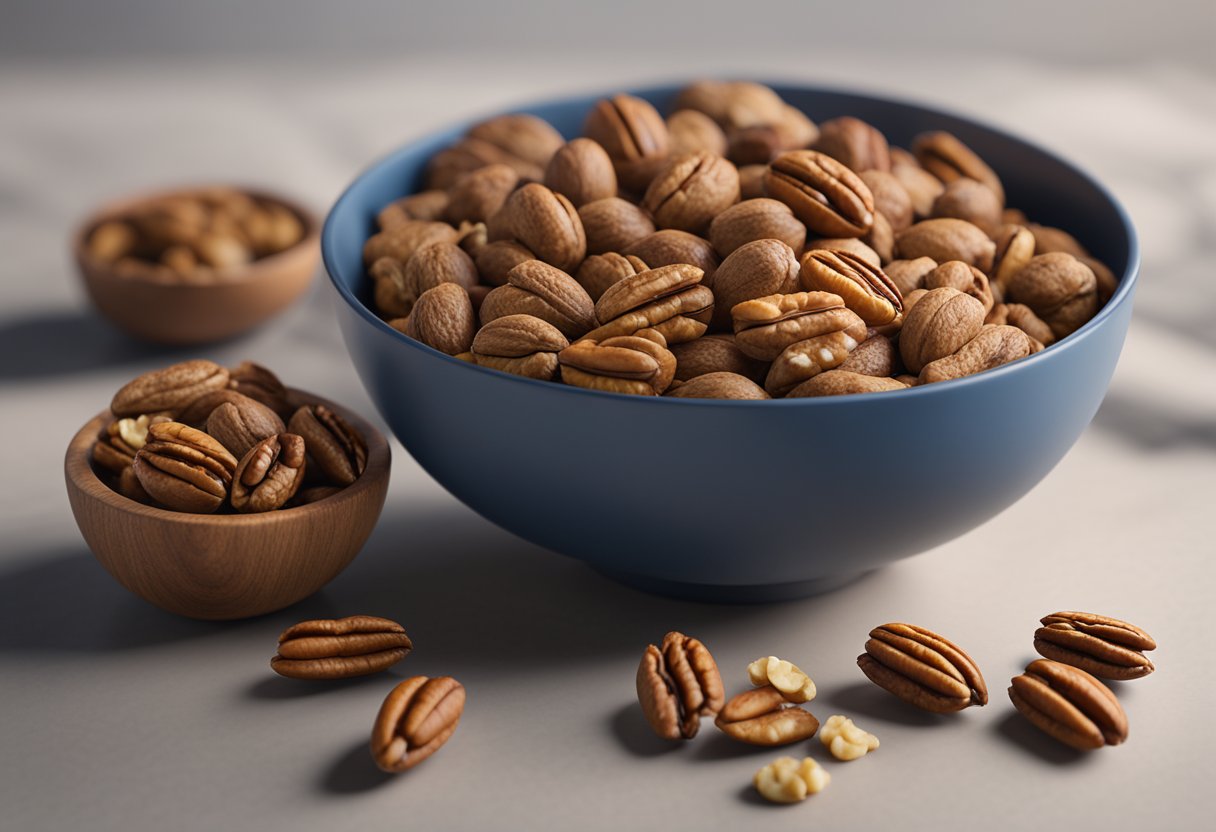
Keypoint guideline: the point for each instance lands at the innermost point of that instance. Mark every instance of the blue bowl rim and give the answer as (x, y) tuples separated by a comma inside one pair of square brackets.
[(1122, 293)]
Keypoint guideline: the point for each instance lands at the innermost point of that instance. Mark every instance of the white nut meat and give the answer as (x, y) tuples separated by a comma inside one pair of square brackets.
[(785, 780), (845, 740), (793, 684)]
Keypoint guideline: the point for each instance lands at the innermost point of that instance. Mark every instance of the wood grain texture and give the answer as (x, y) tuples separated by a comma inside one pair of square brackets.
[(226, 566), (185, 314)]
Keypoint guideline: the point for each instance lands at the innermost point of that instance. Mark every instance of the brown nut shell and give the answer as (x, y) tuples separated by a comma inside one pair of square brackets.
[(678, 683)]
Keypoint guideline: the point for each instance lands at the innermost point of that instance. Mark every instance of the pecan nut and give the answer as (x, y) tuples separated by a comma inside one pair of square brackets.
[(546, 223), (668, 299), (401, 240), (545, 292), (937, 325), (967, 279), (716, 353), (922, 668), (520, 344), (691, 190), (785, 676), (829, 198), (613, 224), (117, 445), (992, 347), (261, 385), (417, 717), (238, 426), (1102, 646), (269, 474), (338, 449), (946, 239), (634, 135), (841, 382), (670, 247), (169, 390), (756, 219), (340, 648), (443, 319), (600, 271), (718, 386), (1069, 705), (947, 158), (625, 364), (581, 171), (766, 325), (857, 145), (862, 285), (678, 683), (1057, 287), (785, 780), (753, 270), (184, 469), (763, 716)]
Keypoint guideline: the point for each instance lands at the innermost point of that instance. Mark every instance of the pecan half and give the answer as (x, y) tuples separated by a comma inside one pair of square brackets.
[(1103, 646), (691, 190), (520, 344), (1069, 705), (828, 197), (340, 648), (763, 716), (336, 447), (269, 474), (862, 285), (625, 364), (668, 299), (922, 668), (678, 683), (417, 717), (184, 469)]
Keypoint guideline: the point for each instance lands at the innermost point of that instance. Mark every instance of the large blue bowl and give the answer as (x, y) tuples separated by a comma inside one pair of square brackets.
[(742, 500)]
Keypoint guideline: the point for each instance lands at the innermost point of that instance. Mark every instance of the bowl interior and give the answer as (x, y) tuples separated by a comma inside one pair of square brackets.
[(1049, 189)]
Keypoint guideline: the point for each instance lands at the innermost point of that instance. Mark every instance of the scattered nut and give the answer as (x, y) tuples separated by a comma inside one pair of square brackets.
[(785, 780), (845, 740)]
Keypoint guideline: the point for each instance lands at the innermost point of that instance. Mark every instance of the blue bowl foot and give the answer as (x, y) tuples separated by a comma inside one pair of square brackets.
[(728, 594)]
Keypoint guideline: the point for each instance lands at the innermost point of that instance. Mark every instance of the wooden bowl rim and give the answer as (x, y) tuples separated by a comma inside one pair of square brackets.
[(247, 273), (80, 473)]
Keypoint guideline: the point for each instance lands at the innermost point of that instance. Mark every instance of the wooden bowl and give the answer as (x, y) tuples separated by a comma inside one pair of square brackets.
[(231, 565), (197, 313)]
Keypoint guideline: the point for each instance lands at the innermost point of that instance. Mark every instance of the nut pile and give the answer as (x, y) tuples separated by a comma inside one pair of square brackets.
[(678, 683), (193, 237), (418, 716), (198, 437), (732, 250)]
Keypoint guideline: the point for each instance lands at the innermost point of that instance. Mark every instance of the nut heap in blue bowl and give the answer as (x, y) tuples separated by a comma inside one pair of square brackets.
[(732, 341)]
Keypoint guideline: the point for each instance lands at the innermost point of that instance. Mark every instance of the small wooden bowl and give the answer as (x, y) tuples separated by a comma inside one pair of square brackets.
[(197, 313), (225, 566)]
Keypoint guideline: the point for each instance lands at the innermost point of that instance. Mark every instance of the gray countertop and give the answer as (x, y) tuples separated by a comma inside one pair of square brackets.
[(120, 716)]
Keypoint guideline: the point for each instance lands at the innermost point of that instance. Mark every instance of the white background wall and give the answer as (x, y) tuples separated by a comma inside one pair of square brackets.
[(1084, 31)]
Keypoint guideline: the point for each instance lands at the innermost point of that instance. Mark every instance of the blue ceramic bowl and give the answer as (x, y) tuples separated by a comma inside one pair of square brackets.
[(742, 500)]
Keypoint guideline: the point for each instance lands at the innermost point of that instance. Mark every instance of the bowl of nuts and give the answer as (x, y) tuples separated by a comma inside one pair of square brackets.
[(732, 341), (219, 493), (196, 265)]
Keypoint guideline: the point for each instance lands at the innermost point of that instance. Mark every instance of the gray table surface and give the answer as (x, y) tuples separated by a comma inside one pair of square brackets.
[(119, 716)]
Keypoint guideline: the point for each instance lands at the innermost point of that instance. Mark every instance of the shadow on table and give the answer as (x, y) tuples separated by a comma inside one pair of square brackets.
[(65, 342), (869, 700), (1017, 729), (65, 601), (472, 593), (1153, 424), (354, 773)]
